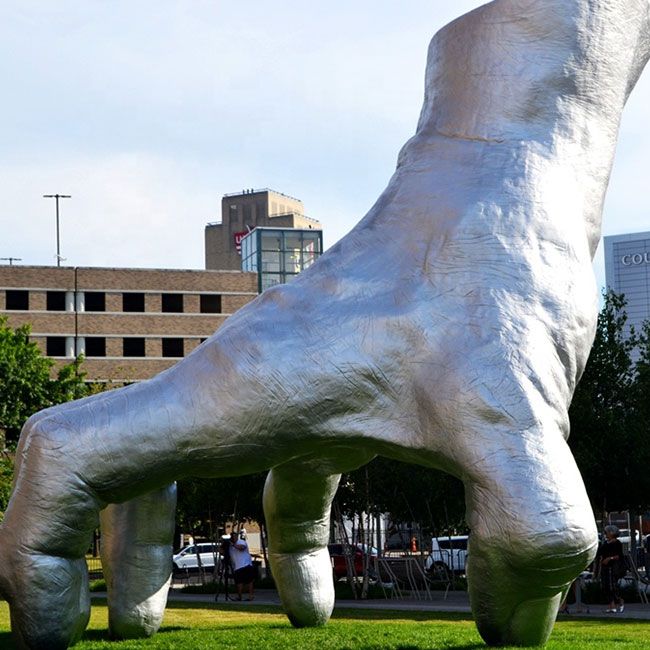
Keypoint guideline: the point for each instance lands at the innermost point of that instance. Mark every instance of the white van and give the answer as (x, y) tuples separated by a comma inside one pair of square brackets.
[(448, 553), (188, 557)]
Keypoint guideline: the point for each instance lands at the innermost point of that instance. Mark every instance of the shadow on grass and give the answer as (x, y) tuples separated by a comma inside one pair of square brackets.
[(103, 635), (343, 613), (399, 614), (7, 643), (387, 614), (471, 646)]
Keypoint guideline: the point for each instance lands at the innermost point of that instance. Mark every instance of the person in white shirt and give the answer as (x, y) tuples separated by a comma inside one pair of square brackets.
[(242, 562)]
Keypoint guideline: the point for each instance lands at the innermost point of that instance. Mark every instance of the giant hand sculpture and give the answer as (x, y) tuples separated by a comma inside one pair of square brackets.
[(448, 329)]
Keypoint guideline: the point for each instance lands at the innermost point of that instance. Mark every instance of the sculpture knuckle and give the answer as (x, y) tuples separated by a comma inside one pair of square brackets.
[(554, 554), (44, 435)]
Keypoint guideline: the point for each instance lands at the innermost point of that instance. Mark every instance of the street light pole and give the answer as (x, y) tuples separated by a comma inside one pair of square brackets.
[(58, 241)]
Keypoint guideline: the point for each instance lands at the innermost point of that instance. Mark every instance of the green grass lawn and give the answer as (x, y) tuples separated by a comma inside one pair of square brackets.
[(240, 627)]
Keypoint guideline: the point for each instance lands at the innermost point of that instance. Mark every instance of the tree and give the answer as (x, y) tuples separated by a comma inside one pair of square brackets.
[(205, 505), (25, 382), (410, 493), (6, 478), (608, 439), (641, 417)]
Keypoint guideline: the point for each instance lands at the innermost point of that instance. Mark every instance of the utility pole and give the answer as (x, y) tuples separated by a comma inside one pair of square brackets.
[(11, 260), (58, 241)]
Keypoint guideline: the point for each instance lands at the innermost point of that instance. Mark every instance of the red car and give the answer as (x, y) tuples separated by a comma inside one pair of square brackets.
[(339, 564)]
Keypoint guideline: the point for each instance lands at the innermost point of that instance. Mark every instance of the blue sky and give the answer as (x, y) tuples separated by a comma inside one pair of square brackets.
[(148, 112)]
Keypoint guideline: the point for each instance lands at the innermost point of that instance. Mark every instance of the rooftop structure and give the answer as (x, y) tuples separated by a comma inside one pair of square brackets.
[(279, 254), (241, 213)]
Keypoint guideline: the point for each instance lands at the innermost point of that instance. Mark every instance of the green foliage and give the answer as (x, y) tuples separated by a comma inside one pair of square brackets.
[(610, 432), (24, 377), (641, 395), (205, 505), (6, 478), (97, 585), (25, 382), (410, 493)]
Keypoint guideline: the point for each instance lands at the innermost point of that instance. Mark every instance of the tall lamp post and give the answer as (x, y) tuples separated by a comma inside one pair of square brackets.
[(58, 241)]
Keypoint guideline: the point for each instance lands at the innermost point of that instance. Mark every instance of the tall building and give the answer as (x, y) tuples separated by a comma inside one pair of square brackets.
[(627, 267), (241, 213), (129, 323)]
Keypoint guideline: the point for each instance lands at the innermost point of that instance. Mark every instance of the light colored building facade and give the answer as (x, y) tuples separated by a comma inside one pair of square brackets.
[(129, 323), (627, 267), (241, 213)]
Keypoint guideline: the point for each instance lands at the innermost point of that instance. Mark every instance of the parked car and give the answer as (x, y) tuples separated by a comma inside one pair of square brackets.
[(448, 554), (188, 557), (338, 554)]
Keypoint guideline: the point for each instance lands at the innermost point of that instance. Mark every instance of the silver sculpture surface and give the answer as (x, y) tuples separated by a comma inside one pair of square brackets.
[(448, 329)]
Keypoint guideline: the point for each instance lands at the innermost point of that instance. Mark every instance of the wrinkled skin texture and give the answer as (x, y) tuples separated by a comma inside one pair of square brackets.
[(449, 329)]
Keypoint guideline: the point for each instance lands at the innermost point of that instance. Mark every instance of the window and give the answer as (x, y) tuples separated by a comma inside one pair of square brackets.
[(210, 304), (271, 240), (270, 280), (132, 302), (460, 544), (271, 262), (172, 347), (249, 251), (55, 346), (17, 299), (55, 301), (95, 346), (133, 347), (95, 301), (172, 303), (310, 249)]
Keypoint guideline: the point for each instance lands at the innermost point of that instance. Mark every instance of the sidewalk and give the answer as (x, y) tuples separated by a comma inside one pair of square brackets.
[(456, 601)]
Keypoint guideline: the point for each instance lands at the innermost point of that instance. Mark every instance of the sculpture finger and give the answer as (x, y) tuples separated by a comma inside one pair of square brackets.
[(136, 551), (40, 581), (533, 532), (44, 575), (75, 459), (297, 502)]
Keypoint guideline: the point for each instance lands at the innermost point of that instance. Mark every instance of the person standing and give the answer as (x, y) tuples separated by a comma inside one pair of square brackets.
[(612, 563), (243, 564)]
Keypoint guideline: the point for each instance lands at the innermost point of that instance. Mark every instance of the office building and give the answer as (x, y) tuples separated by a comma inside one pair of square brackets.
[(129, 323), (243, 212), (627, 267)]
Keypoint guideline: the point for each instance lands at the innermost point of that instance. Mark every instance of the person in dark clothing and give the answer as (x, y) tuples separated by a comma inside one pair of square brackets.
[(612, 563)]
